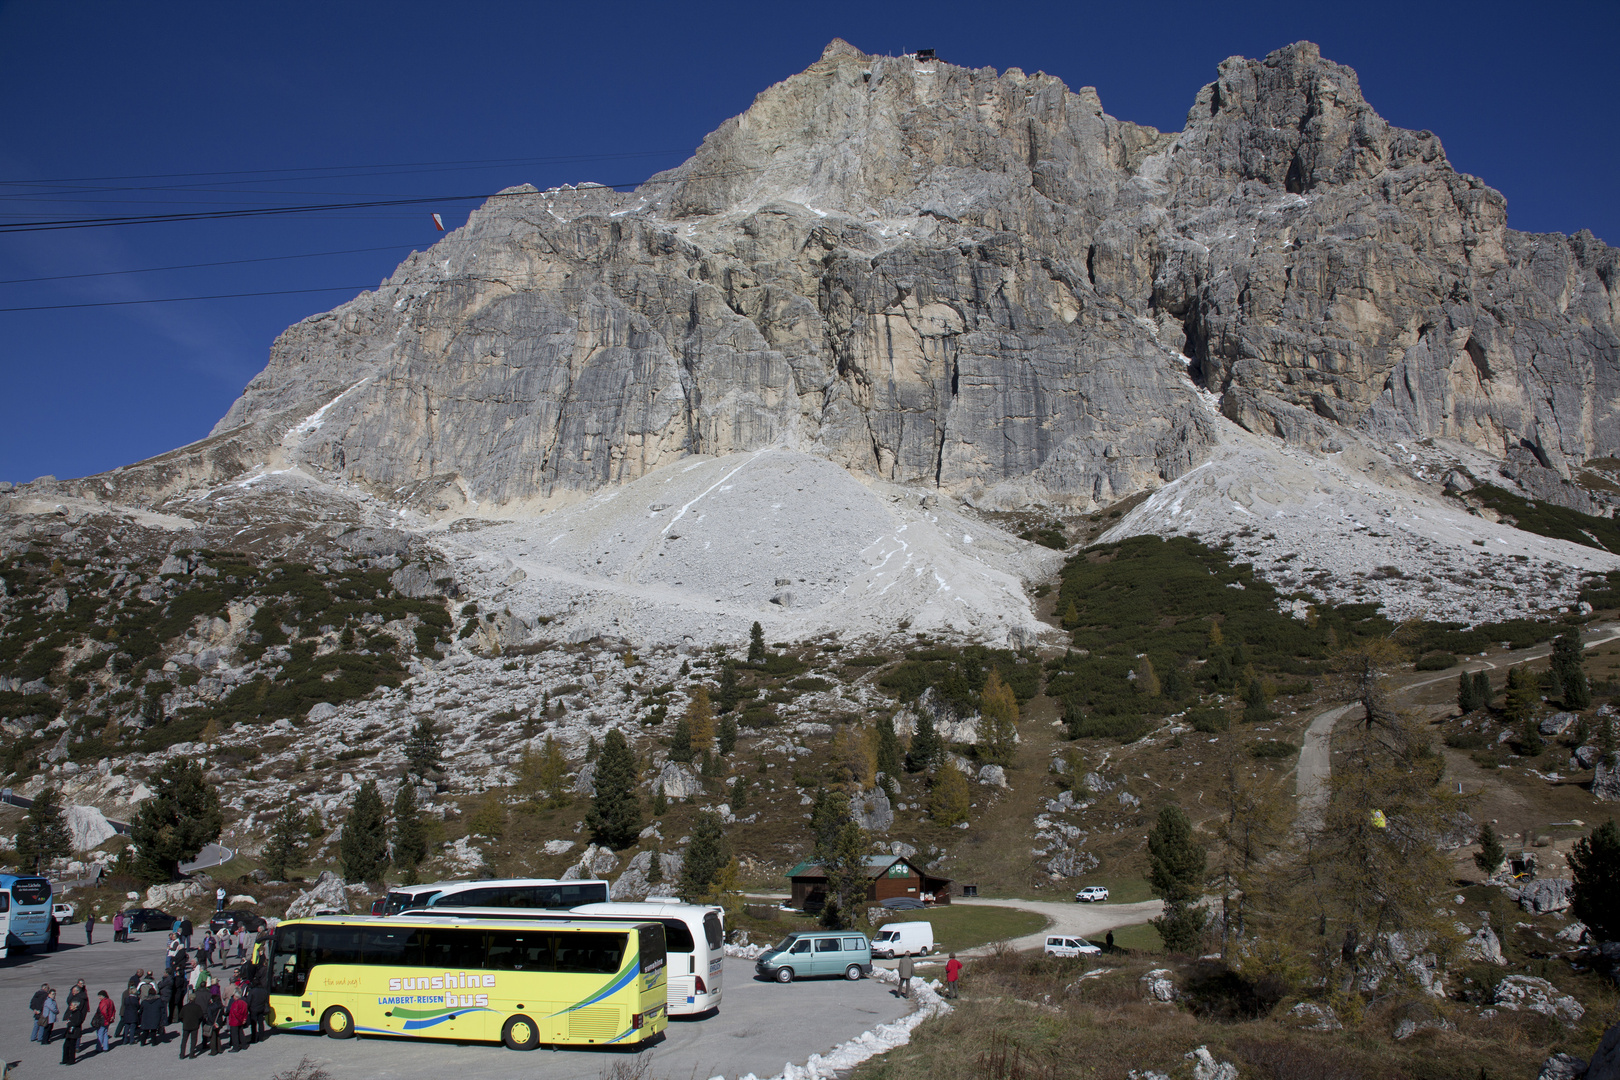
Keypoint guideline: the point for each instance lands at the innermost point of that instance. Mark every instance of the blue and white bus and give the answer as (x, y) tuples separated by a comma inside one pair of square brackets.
[(25, 912)]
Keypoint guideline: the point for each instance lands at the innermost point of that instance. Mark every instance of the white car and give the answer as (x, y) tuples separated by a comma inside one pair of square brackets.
[(1091, 894), (62, 913), (1070, 947)]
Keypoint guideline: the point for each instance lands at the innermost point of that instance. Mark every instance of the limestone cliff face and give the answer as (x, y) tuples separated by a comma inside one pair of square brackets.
[(962, 278)]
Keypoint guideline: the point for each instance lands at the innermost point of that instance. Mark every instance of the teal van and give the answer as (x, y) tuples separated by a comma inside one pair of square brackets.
[(817, 952)]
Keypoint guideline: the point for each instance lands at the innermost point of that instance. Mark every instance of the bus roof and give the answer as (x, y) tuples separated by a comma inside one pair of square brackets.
[(459, 882), (418, 919)]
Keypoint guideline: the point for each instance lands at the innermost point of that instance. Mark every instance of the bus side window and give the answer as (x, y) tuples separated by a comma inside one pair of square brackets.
[(712, 931), (520, 950), (453, 948), (400, 947), (677, 938), (5, 902)]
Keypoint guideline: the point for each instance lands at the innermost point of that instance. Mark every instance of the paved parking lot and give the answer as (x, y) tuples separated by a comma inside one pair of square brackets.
[(759, 1028)]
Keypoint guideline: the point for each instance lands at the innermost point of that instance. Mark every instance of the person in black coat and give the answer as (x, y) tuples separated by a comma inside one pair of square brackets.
[(214, 1022), (154, 1015), (258, 999), (78, 1006), (129, 1015), (191, 1019)]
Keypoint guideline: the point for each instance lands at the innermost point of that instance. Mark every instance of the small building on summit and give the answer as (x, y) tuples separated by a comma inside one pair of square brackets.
[(889, 876)]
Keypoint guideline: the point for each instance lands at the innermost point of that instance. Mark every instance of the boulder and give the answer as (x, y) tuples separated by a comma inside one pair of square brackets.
[(1558, 723), (88, 828), (596, 862), (330, 893), (1545, 895), (1528, 992), (1205, 1067), (167, 896), (1068, 862), (1562, 1067), (993, 776), (873, 811), (1483, 945), (679, 781), (633, 885), (1605, 783), (419, 581), (1159, 985), (321, 711), (1310, 1016), (240, 898), (1574, 933), (585, 781), (558, 847), (1605, 1064)]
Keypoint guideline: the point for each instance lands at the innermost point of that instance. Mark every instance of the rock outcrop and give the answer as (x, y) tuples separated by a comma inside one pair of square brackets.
[(961, 278)]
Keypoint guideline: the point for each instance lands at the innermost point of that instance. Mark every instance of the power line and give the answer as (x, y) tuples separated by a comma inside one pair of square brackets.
[(490, 162), (195, 266), (7, 228), (181, 299)]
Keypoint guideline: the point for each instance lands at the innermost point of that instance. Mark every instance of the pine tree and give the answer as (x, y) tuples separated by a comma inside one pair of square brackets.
[(1523, 694), (44, 834), (888, 755), (756, 644), (1176, 874), (844, 860), (730, 692), (289, 840), (655, 868), (424, 750), (1569, 664), (660, 804), (1607, 752), (1530, 742), (553, 773), (1071, 615), (1483, 694), (1147, 680), (828, 809), (1467, 693), (726, 736), (925, 745), (410, 836), (1490, 855), (948, 798), (615, 815), (699, 717), (592, 748), (1595, 867), (680, 742), (706, 854), (181, 817), (363, 847), (998, 711), (739, 796), (1254, 703), (709, 766)]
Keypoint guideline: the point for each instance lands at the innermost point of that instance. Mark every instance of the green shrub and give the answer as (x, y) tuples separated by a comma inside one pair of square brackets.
[(1272, 749), (1436, 661)]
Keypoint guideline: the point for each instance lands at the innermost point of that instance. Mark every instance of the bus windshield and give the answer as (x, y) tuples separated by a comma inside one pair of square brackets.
[(31, 892)]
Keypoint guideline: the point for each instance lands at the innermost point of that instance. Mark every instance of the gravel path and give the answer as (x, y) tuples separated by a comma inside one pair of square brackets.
[(1083, 920)]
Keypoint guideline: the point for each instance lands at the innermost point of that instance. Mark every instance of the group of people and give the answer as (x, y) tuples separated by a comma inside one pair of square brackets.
[(212, 1016), (907, 968)]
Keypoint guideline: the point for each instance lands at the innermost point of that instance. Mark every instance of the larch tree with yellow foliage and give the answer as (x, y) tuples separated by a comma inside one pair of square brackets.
[(998, 730)]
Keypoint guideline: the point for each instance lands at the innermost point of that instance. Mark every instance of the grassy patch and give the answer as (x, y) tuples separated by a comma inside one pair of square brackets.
[(1143, 937), (967, 926), (1545, 519)]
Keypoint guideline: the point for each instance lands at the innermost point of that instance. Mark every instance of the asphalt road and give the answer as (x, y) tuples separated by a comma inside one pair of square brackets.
[(210, 856), (1084, 920), (759, 1028)]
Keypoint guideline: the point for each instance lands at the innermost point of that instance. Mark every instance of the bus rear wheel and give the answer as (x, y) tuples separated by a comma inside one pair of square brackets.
[(520, 1034), (337, 1023)]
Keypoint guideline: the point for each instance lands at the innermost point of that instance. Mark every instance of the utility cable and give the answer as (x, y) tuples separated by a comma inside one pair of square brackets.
[(181, 299)]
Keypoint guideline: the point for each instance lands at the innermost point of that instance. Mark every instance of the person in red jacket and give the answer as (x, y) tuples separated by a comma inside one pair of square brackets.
[(106, 1016), (953, 971), (236, 1018)]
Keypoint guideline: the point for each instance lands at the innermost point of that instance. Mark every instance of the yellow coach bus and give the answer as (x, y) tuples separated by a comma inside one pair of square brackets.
[(520, 982)]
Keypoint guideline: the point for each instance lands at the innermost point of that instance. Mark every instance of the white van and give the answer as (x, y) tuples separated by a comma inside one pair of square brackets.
[(904, 939), (1069, 947)]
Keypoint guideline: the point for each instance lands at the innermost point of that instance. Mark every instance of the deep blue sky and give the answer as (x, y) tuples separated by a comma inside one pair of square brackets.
[(1521, 95)]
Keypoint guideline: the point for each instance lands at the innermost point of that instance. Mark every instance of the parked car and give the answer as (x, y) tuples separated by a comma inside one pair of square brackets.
[(903, 903), (1091, 894), (817, 952), (62, 913), (220, 919), (904, 939), (140, 920), (1069, 947)]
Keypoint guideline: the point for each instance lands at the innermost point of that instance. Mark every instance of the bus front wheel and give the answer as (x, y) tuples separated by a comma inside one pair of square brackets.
[(337, 1023), (520, 1034), (784, 975)]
